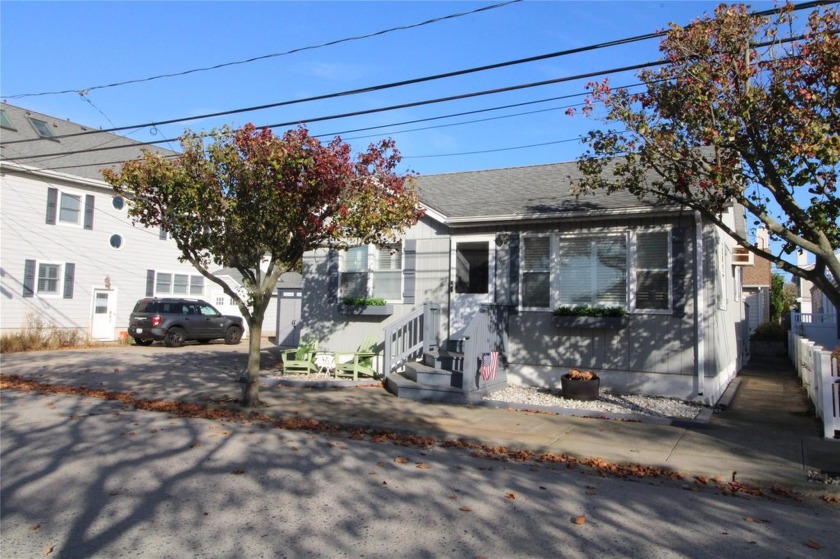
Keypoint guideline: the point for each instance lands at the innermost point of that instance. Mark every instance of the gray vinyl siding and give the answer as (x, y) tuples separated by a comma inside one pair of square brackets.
[(29, 237)]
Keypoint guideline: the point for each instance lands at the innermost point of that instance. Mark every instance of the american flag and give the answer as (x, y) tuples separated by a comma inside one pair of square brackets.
[(489, 361)]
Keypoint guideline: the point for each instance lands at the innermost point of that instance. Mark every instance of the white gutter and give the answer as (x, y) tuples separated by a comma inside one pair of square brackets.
[(699, 304), (472, 221), (55, 175)]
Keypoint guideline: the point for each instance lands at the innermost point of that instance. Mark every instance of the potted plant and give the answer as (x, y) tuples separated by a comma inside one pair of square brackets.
[(365, 306), (590, 316), (580, 385)]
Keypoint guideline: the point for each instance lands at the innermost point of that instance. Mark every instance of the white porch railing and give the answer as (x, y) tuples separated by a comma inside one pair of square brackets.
[(411, 336), (821, 379)]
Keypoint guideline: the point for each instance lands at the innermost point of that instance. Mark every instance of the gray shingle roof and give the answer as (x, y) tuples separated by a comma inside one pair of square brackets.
[(45, 154), (519, 192)]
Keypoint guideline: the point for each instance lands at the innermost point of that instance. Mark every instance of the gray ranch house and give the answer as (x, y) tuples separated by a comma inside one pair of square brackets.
[(472, 288)]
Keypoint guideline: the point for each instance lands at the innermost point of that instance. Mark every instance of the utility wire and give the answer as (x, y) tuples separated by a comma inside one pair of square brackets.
[(413, 81), (391, 107), (86, 90), (369, 89)]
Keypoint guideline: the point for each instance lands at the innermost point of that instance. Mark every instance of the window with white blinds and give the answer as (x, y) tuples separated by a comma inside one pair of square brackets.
[(597, 270), (369, 271), (593, 271), (536, 272)]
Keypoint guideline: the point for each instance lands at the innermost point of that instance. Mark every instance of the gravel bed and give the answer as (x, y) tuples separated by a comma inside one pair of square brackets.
[(606, 403), (529, 396)]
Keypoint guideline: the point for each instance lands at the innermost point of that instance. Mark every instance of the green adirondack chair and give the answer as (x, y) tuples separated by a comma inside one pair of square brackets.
[(352, 364), (301, 360)]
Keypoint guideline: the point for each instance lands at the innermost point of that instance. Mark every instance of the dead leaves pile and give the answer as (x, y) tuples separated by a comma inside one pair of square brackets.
[(219, 411)]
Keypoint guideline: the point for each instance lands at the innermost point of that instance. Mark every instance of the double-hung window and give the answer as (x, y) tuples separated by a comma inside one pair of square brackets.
[(49, 278), (70, 208), (592, 270), (167, 283), (371, 272), (626, 269), (653, 274), (536, 272)]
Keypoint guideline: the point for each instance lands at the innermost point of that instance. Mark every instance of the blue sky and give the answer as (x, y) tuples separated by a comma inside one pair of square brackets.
[(54, 46)]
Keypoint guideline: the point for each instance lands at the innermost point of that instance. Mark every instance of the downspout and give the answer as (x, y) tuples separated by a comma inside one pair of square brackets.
[(699, 305)]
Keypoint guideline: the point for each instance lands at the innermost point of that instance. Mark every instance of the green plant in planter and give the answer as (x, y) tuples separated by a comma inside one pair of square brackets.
[(363, 301), (590, 310)]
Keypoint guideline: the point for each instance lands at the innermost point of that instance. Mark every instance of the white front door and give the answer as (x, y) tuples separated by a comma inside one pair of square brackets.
[(104, 314), (472, 276)]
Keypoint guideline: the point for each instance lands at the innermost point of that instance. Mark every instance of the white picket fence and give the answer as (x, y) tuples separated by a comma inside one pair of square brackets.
[(820, 377)]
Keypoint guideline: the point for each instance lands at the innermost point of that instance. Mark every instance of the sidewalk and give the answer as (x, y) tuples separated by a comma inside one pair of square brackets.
[(765, 436)]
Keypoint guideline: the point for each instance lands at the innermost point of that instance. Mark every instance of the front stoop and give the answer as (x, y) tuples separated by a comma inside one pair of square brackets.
[(401, 386)]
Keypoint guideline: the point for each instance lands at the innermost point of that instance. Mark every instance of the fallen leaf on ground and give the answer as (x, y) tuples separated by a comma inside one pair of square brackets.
[(238, 472), (422, 466), (401, 460), (49, 549), (465, 509), (756, 520), (510, 495), (813, 545), (35, 527), (580, 519)]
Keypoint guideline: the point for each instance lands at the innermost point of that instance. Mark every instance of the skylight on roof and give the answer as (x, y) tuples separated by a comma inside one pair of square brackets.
[(4, 120), (42, 128)]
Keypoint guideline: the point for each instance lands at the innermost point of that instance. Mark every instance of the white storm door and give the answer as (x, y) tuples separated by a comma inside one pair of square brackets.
[(104, 315), (472, 276)]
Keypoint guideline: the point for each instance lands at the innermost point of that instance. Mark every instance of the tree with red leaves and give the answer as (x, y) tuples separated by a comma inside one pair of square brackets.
[(253, 201), (736, 113)]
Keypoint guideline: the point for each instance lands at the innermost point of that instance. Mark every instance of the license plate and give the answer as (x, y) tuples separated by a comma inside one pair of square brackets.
[(139, 330)]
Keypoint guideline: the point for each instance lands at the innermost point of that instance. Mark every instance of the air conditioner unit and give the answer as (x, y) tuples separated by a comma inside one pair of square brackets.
[(742, 257)]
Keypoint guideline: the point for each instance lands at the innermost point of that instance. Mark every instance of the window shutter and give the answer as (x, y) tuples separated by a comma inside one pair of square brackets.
[(69, 277), (409, 269), (678, 275), (52, 205), (332, 276), (513, 272), (150, 283), (29, 278), (89, 200)]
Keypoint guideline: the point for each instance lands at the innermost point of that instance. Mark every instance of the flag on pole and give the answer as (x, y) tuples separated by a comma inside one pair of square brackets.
[(489, 362)]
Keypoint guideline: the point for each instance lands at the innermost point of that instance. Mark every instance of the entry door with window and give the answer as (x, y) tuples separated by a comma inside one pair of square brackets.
[(472, 272), (104, 315)]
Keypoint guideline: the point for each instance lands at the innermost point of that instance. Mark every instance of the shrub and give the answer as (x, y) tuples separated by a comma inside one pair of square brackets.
[(37, 334), (363, 301), (589, 310), (769, 332)]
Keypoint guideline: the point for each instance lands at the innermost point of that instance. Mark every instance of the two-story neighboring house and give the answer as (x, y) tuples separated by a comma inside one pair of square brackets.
[(756, 282), (71, 256)]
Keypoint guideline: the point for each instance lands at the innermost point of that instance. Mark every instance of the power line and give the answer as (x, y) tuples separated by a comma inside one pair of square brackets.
[(393, 107), (381, 87), (84, 91), (370, 89), (493, 150)]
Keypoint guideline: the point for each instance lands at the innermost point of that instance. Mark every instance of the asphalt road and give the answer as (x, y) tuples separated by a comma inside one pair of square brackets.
[(87, 478)]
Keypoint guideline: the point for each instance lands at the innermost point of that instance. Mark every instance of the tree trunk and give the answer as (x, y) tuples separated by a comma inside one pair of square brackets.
[(251, 386)]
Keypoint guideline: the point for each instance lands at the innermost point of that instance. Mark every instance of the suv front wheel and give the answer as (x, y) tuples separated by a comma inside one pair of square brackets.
[(233, 335), (175, 337)]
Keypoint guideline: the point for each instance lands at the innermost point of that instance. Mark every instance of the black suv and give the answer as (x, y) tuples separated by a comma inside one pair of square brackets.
[(177, 320)]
